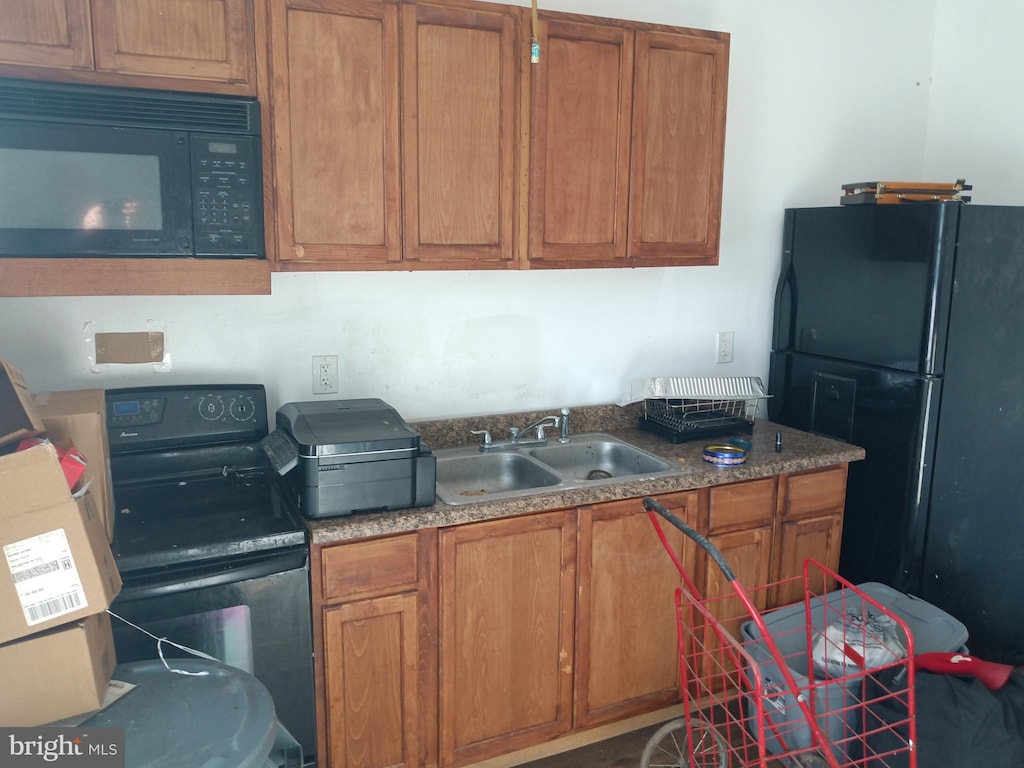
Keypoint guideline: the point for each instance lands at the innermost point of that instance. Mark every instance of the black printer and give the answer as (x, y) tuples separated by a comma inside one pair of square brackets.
[(345, 456)]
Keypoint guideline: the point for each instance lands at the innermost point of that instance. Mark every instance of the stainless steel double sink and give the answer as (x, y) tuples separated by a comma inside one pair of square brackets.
[(467, 475)]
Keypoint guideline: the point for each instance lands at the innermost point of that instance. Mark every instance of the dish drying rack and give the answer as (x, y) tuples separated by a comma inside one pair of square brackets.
[(693, 408)]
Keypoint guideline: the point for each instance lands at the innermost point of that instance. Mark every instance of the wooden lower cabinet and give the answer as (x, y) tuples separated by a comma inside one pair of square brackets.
[(371, 649), (446, 647), (626, 649), (740, 518), (507, 606), (811, 526), (376, 655)]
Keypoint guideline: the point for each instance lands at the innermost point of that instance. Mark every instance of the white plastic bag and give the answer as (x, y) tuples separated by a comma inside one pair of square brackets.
[(856, 644)]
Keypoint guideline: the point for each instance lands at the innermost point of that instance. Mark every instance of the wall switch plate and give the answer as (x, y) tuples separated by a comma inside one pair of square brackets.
[(723, 346), (325, 374)]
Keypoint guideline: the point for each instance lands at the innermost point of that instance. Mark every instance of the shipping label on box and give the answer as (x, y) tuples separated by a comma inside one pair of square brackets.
[(45, 577), (48, 541)]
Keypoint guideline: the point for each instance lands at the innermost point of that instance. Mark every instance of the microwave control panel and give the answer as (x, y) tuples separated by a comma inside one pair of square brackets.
[(227, 204)]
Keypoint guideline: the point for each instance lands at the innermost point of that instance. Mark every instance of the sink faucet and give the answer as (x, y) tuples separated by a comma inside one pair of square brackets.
[(540, 424), (519, 437)]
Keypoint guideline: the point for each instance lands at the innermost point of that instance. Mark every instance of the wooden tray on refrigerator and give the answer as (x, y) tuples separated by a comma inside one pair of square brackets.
[(892, 192)]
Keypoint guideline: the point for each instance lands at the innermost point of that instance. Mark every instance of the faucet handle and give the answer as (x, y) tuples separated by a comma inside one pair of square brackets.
[(486, 439)]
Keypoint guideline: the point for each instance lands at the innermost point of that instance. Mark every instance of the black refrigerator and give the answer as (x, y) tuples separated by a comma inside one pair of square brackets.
[(900, 328)]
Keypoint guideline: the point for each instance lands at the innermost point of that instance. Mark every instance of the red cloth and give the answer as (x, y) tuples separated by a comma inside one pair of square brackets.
[(992, 674)]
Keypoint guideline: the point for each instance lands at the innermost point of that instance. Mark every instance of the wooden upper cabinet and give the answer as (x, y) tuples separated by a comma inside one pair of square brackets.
[(47, 33), (628, 140), (678, 147), (579, 174), (460, 86), (204, 39), (335, 95), (416, 135), (347, 167), (197, 44)]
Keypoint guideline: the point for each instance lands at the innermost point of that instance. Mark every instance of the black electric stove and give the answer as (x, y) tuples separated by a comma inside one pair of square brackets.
[(191, 482), (212, 552)]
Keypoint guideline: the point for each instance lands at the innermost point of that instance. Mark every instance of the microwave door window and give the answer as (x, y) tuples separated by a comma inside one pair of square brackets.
[(81, 190), (93, 192)]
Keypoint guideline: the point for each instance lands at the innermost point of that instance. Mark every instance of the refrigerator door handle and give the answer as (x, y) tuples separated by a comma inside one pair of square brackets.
[(784, 326), (785, 301)]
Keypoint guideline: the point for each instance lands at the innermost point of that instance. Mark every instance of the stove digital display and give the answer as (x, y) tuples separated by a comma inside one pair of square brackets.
[(126, 408)]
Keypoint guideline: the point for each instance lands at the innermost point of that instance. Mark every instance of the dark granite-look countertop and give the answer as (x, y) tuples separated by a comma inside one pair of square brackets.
[(800, 451)]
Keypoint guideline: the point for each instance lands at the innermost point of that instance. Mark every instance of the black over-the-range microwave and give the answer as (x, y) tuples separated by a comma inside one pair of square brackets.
[(97, 171)]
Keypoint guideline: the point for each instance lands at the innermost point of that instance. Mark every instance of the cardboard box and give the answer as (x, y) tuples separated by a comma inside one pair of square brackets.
[(55, 560), (79, 418), (18, 415), (57, 674)]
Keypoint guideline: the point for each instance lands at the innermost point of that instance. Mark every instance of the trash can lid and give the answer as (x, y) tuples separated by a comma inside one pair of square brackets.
[(222, 719)]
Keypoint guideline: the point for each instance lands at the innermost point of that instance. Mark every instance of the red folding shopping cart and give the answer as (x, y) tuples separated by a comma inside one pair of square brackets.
[(797, 684)]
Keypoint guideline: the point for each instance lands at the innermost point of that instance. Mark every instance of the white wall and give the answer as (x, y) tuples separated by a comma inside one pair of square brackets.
[(976, 114), (820, 94)]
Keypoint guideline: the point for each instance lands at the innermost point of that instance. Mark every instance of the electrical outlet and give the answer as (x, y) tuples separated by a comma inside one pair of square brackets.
[(325, 374), (723, 346)]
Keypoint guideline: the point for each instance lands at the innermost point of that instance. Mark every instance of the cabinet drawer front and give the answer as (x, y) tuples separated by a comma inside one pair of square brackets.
[(815, 492), (352, 569), (742, 504)]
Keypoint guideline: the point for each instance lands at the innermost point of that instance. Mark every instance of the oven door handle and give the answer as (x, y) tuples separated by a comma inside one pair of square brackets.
[(229, 572)]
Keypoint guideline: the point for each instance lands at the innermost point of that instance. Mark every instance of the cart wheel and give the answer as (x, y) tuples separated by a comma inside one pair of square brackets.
[(667, 747)]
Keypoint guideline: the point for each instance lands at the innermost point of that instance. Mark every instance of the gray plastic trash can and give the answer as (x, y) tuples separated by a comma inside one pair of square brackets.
[(224, 718), (932, 628)]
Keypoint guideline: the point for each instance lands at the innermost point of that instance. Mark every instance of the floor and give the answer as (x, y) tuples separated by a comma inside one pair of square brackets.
[(620, 752)]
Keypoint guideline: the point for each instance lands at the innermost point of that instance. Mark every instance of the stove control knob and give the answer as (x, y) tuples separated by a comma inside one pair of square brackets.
[(242, 408), (211, 408)]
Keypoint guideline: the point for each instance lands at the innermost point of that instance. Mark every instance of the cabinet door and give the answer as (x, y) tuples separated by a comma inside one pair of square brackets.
[(371, 652), (47, 33), (335, 96), (460, 86), (579, 173), (626, 646), (748, 554), (740, 517), (812, 525), (375, 651), (678, 147), (507, 606), (204, 39), (816, 538)]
